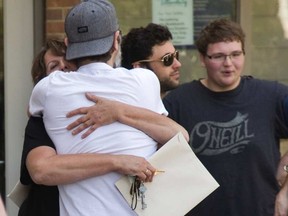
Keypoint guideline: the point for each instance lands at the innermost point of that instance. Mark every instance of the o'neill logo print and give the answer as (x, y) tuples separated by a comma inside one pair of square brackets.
[(213, 138)]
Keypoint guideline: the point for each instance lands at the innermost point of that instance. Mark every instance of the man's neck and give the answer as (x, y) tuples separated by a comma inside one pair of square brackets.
[(89, 61), (163, 94)]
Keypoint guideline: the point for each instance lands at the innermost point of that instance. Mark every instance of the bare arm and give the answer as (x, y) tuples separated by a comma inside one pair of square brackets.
[(40, 160), (158, 127), (281, 202), (47, 168), (281, 173), (2, 208)]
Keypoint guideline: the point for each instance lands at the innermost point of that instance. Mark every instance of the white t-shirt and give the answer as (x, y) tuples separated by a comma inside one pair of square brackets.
[(60, 93)]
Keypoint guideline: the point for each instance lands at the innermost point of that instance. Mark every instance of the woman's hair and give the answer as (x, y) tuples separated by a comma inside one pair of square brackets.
[(38, 70), (220, 30)]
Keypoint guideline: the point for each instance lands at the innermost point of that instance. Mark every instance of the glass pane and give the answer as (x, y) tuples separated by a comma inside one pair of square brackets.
[(208, 10), (139, 13)]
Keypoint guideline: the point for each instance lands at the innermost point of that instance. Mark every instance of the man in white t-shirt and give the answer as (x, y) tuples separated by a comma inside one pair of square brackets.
[(93, 43)]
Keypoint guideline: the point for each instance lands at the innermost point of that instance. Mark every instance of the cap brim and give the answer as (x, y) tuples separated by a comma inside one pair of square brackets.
[(89, 48)]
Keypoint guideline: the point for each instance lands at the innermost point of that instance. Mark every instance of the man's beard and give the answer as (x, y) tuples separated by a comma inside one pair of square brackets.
[(118, 57), (166, 86)]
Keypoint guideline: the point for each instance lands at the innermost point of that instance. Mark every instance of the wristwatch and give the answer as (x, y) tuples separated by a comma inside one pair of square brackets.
[(286, 168)]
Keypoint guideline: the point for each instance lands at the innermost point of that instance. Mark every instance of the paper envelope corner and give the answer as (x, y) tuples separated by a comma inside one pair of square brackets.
[(19, 193)]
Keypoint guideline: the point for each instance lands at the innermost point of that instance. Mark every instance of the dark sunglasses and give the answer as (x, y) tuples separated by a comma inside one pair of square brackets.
[(167, 59)]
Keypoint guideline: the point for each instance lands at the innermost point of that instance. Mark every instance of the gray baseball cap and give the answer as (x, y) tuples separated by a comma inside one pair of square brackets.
[(90, 28)]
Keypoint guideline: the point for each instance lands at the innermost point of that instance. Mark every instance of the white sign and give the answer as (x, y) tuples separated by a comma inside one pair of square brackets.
[(177, 15)]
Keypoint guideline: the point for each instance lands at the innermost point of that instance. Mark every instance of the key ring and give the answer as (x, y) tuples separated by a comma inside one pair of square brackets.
[(134, 192)]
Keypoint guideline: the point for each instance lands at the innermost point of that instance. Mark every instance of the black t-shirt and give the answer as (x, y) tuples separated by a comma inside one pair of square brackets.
[(235, 134), (42, 200)]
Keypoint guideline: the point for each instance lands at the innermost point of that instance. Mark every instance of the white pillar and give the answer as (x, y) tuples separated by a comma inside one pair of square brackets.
[(18, 54)]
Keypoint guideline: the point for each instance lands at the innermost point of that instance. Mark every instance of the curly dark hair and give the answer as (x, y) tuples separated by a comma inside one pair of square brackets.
[(220, 30), (138, 43)]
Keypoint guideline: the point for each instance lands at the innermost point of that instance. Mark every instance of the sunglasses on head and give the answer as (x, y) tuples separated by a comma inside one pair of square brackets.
[(167, 59)]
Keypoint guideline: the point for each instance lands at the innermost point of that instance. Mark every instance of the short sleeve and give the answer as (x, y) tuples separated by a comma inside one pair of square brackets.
[(35, 136), (38, 97), (149, 91)]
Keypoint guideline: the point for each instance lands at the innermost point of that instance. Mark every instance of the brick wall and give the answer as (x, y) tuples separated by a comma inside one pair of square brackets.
[(130, 14), (55, 15)]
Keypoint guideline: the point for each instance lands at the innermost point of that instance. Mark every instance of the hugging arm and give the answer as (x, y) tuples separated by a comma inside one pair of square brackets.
[(158, 127), (48, 168), (41, 162)]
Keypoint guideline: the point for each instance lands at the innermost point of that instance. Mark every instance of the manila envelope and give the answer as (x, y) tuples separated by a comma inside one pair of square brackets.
[(184, 184), (19, 193)]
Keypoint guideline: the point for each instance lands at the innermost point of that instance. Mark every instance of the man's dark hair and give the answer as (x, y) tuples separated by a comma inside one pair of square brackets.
[(220, 30), (138, 43)]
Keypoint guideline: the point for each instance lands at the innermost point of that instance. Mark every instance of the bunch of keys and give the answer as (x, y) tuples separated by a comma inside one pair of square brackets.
[(138, 190)]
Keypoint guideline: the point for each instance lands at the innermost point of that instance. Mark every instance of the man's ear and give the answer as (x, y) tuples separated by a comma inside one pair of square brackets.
[(136, 65), (202, 59), (66, 41), (116, 43)]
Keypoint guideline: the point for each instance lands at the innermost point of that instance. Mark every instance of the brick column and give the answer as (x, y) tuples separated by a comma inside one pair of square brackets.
[(55, 15)]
